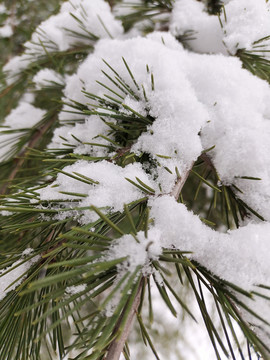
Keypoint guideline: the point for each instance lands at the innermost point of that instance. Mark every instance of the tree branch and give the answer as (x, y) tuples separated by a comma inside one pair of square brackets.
[(116, 347), (176, 191), (20, 160)]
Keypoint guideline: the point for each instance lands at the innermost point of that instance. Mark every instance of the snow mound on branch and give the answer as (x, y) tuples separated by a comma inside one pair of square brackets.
[(139, 250), (247, 22), (20, 120), (242, 22), (110, 190), (210, 100), (14, 275), (172, 140), (92, 19), (240, 257), (78, 22), (81, 133), (239, 127), (202, 31), (48, 78)]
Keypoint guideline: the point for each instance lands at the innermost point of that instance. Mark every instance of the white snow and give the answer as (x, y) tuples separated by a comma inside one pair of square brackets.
[(75, 289), (139, 250), (239, 124), (6, 31), (48, 78), (111, 191), (209, 100), (196, 101), (3, 9), (240, 256), (204, 33), (14, 66), (247, 22), (60, 32), (170, 136), (16, 273), (243, 23), (23, 117), (88, 131), (78, 21)]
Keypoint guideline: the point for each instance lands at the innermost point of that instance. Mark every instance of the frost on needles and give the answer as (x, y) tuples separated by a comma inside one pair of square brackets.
[(160, 154)]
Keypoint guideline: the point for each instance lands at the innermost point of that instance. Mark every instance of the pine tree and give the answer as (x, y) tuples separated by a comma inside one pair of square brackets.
[(134, 165)]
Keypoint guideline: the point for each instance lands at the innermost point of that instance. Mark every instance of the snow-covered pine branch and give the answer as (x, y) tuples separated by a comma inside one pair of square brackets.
[(138, 152)]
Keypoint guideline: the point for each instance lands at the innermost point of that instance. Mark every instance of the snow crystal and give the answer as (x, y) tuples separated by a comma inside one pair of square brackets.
[(47, 78), (16, 272), (111, 191)]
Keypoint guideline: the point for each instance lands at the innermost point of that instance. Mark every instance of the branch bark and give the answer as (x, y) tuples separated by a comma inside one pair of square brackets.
[(176, 191), (116, 347), (20, 159)]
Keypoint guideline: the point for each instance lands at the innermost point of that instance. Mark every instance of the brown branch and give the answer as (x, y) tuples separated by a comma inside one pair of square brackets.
[(21, 159), (176, 191), (111, 3), (116, 347)]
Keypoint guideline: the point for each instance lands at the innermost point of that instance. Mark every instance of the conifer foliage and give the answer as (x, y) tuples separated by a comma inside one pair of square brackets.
[(134, 151)]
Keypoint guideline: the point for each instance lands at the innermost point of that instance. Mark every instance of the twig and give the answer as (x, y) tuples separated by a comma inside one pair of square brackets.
[(116, 347), (38, 135), (111, 3), (176, 191)]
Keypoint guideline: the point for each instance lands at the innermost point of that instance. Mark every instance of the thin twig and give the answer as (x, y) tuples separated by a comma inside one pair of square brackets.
[(116, 347), (21, 159), (176, 191), (111, 3)]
